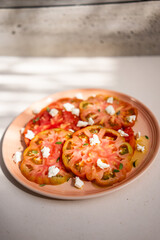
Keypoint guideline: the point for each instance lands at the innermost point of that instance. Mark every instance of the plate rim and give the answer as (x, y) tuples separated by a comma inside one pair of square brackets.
[(120, 185)]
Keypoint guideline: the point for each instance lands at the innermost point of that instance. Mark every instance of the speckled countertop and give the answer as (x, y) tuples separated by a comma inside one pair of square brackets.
[(104, 30)]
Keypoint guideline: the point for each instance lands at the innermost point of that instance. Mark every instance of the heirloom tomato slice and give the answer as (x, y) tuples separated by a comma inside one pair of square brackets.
[(35, 165), (95, 107), (95, 143), (63, 119), (130, 138)]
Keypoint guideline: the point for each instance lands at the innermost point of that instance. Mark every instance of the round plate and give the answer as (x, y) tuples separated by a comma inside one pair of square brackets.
[(12, 142)]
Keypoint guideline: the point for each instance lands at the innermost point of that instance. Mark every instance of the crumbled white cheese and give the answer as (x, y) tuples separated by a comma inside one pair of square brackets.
[(17, 157), (138, 134), (22, 130), (90, 121), (53, 112), (79, 96), (75, 111), (122, 133), (101, 164), (94, 140), (140, 148), (29, 134), (82, 124), (45, 152), (71, 130), (110, 110), (78, 182), (68, 107), (110, 100), (131, 118), (53, 171), (36, 110)]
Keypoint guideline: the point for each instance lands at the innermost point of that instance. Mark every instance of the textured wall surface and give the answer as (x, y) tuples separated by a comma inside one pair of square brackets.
[(103, 30)]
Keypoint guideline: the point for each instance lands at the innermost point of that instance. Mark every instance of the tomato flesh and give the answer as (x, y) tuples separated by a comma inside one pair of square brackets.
[(81, 157), (64, 119), (95, 107), (35, 167)]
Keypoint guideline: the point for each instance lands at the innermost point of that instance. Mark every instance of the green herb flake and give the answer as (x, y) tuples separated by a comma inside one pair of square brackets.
[(134, 163), (68, 179), (85, 144), (58, 159), (58, 142), (48, 109), (42, 185), (115, 170), (99, 110), (34, 151), (117, 113), (120, 166), (146, 137), (37, 119)]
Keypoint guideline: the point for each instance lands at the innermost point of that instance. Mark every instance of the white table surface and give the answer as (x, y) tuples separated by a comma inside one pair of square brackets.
[(130, 213)]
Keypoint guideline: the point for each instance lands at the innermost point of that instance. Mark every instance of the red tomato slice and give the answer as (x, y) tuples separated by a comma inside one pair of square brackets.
[(131, 138), (80, 156), (64, 119), (35, 166), (95, 107)]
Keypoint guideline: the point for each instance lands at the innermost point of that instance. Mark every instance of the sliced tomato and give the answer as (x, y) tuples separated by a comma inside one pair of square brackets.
[(95, 107), (80, 156), (131, 138), (35, 167), (64, 119)]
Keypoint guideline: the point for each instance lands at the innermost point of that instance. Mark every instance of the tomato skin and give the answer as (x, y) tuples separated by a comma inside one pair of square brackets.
[(81, 157), (95, 107), (64, 119), (131, 138), (35, 167)]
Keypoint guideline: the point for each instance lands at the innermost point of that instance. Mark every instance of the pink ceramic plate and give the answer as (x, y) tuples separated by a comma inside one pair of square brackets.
[(12, 142)]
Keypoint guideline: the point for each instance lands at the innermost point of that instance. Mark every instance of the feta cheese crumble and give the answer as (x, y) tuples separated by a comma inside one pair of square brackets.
[(82, 124), (36, 110), (75, 111), (138, 134), (68, 107), (78, 182), (17, 157), (53, 112), (110, 110), (122, 133), (101, 164), (30, 135), (131, 118), (53, 171), (71, 130), (140, 148), (22, 130), (110, 100), (45, 152), (79, 96), (90, 121), (94, 140)]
